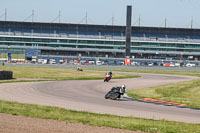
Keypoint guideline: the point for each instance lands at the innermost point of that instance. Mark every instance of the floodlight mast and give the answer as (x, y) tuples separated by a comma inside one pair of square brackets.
[(31, 16), (139, 23), (85, 18), (192, 23), (6, 14), (113, 20), (128, 30), (165, 22), (58, 17)]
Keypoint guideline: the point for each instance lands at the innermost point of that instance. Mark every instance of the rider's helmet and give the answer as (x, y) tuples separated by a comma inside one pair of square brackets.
[(123, 87)]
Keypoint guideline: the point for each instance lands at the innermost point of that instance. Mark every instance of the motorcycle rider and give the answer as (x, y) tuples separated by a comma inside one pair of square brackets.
[(121, 89), (107, 77), (116, 92), (110, 73), (79, 69)]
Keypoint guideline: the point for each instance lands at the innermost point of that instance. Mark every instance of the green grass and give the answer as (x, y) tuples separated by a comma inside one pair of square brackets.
[(171, 72), (44, 73), (184, 92), (187, 92), (129, 123)]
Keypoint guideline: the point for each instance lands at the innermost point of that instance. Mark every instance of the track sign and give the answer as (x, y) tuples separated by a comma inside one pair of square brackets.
[(127, 61)]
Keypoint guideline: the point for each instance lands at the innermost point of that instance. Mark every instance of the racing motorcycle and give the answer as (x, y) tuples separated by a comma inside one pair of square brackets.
[(114, 93), (79, 69), (107, 78)]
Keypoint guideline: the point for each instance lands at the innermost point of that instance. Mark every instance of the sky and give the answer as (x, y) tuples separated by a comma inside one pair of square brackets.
[(178, 13)]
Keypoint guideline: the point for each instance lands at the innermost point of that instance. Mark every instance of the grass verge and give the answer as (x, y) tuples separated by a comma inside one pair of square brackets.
[(171, 72), (129, 123), (187, 92), (44, 73)]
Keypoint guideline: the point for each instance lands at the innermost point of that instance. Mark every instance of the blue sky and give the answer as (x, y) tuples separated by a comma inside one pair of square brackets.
[(179, 13)]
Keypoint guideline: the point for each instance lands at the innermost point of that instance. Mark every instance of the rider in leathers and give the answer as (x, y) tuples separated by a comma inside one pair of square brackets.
[(121, 89)]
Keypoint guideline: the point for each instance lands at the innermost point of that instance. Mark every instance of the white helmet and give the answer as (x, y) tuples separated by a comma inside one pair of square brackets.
[(123, 87)]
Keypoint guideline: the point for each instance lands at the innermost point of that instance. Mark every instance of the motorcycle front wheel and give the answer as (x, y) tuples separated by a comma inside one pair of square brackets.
[(108, 95)]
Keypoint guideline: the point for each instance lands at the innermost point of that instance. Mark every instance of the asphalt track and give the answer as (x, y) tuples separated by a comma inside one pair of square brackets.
[(89, 96)]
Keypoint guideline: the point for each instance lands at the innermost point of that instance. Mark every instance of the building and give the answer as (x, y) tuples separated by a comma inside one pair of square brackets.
[(85, 40)]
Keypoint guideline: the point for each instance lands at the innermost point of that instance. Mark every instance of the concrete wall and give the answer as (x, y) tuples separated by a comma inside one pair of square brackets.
[(6, 75)]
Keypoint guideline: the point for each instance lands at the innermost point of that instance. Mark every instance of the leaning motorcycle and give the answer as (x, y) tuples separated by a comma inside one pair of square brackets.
[(107, 78), (79, 69), (114, 93)]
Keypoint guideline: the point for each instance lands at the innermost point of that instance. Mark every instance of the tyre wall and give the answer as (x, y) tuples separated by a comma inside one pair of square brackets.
[(6, 75)]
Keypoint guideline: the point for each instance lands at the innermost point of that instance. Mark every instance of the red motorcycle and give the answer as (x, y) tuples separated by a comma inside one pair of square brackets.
[(79, 69), (107, 78)]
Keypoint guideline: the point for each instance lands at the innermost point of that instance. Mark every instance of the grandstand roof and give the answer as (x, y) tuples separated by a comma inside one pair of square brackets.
[(97, 28)]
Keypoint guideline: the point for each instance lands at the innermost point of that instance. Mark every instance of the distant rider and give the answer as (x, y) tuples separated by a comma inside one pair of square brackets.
[(79, 69)]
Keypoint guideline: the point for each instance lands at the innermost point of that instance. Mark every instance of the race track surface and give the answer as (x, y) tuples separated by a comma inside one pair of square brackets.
[(89, 96)]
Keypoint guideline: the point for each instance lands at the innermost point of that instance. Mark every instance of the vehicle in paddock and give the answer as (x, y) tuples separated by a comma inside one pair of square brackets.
[(52, 61), (42, 61), (190, 65)]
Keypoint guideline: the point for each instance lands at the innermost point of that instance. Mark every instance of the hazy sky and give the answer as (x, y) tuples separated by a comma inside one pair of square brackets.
[(179, 13)]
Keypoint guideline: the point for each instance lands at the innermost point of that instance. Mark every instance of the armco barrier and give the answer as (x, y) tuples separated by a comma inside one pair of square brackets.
[(6, 75)]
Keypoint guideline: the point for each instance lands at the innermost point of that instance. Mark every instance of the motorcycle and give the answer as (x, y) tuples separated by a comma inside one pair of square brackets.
[(107, 78), (79, 69), (114, 93)]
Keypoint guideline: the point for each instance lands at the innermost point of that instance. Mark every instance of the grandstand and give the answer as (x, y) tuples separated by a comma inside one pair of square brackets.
[(66, 39)]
